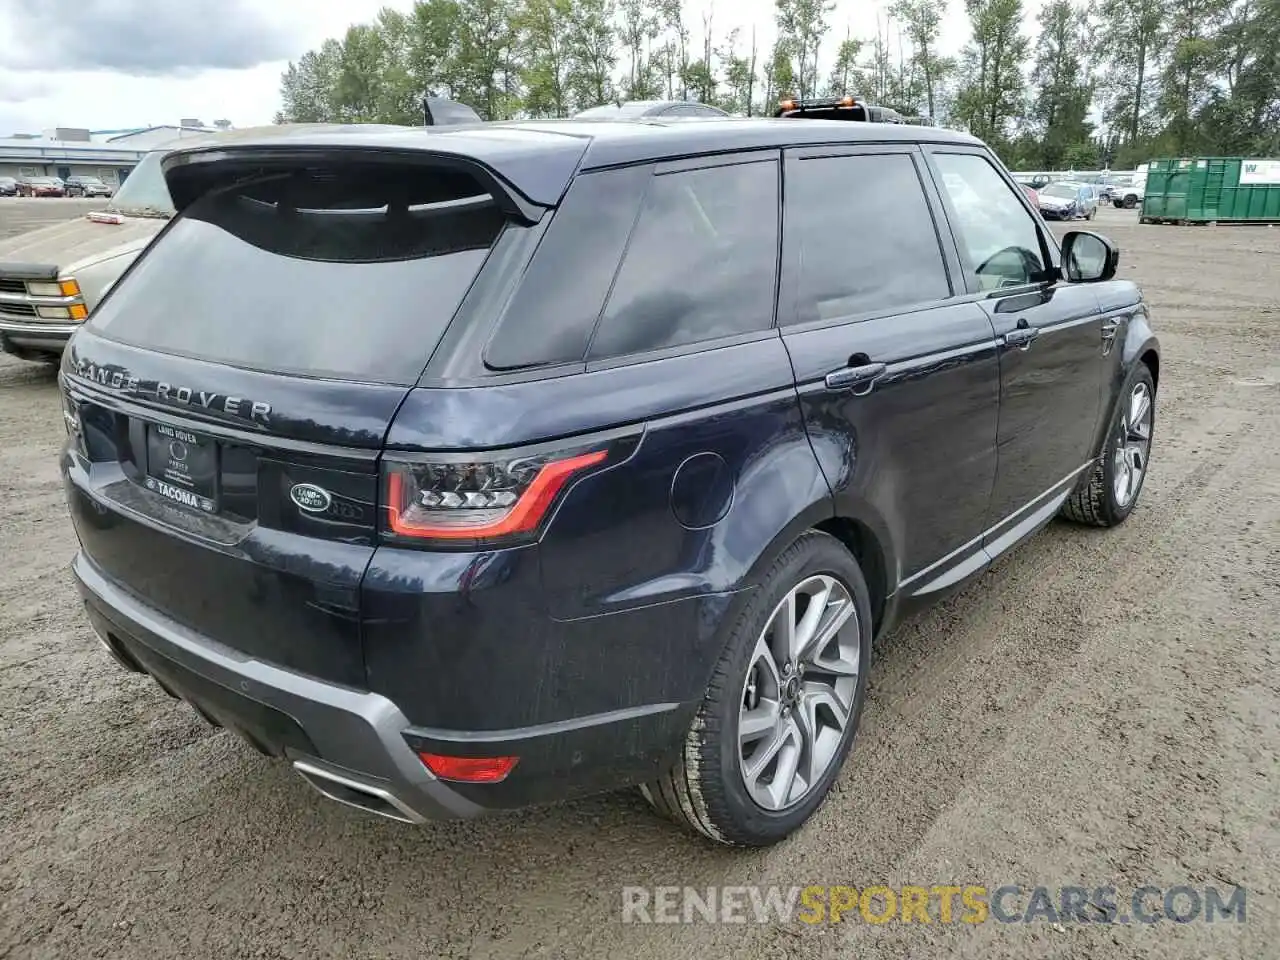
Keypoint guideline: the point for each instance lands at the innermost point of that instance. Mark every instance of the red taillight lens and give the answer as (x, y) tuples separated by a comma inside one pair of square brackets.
[(480, 501), (469, 769)]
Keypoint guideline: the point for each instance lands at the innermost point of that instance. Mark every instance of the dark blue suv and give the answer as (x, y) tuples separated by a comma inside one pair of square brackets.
[(476, 467)]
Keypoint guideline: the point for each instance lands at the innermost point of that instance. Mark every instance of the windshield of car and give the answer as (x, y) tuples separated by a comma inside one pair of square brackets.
[(144, 193), (1060, 190)]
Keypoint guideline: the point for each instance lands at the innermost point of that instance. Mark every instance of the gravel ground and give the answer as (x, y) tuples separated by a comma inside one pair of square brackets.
[(1101, 708)]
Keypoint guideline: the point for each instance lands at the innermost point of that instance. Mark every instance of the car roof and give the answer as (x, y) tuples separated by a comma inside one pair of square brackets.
[(540, 157)]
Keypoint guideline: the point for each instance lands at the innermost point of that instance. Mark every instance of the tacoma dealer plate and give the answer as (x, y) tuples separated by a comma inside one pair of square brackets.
[(182, 467)]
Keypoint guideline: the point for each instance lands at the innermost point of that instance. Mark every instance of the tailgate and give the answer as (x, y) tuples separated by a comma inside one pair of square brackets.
[(244, 511), (228, 400)]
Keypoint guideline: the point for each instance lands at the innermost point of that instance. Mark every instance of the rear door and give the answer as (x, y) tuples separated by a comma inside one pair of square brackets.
[(228, 400), (1049, 334), (896, 371)]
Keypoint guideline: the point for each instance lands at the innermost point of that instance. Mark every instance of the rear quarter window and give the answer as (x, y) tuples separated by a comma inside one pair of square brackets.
[(637, 260), (348, 271), (553, 313)]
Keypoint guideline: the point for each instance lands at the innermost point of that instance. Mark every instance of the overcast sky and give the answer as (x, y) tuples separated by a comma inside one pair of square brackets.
[(109, 64)]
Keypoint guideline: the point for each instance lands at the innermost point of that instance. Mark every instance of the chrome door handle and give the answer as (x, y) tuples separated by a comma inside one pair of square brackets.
[(1020, 338), (861, 378)]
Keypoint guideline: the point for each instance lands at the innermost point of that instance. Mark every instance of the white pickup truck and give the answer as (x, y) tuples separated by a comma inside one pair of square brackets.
[(1129, 195)]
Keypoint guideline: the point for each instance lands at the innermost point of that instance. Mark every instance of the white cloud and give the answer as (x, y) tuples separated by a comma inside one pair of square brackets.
[(88, 74)]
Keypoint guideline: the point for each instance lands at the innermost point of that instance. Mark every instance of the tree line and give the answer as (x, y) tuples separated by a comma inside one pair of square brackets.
[(1089, 83)]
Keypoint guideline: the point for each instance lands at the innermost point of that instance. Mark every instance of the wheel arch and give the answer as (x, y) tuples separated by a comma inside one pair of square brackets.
[(861, 541)]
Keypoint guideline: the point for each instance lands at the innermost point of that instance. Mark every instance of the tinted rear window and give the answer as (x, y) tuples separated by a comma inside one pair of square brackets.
[(554, 312), (700, 263), (351, 272)]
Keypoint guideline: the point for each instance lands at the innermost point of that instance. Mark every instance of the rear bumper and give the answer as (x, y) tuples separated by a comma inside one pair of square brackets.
[(345, 742), (358, 747)]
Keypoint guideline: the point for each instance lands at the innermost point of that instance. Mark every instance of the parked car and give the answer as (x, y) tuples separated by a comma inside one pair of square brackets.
[(1068, 200), (649, 110), (1131, 194), (53, 278), (40, 187), (87, 187), (358, 475), (8, 187)]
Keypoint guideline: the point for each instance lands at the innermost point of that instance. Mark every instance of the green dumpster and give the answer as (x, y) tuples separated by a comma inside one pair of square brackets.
[(1212, 189)]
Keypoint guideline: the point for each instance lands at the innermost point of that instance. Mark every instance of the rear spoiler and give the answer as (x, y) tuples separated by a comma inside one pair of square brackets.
[(190, 174)]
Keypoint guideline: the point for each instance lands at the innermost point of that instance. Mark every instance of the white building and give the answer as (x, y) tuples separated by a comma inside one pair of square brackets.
[(108, 155)]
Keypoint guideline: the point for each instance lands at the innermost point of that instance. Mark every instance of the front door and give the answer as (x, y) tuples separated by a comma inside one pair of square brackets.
[(895, 366), (1049, 334)]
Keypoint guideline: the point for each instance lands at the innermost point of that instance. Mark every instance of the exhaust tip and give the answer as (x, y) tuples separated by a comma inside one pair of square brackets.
[(354, 793)]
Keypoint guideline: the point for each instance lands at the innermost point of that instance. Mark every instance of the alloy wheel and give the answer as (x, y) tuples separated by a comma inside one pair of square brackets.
[(1132, 445), (798, 696)]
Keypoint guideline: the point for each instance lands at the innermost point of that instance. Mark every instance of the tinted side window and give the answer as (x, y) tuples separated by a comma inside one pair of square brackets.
[(860, 236), (700, 264), (999, 234), (552, 315)]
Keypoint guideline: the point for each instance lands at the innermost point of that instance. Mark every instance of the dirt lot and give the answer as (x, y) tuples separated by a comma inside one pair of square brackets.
[(1101, 708)]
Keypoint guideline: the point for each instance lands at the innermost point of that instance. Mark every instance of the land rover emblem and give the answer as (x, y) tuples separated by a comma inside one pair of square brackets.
[(310, 498)]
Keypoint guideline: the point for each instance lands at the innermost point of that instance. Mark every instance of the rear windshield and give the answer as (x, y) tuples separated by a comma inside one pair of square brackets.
[(351, 272)]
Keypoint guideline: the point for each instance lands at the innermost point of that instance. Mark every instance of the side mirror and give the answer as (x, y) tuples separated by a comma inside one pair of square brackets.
[(1088, 257)]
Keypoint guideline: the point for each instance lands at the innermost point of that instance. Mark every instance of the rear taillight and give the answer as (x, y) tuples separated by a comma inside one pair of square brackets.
[(469, 769), (503, 499)]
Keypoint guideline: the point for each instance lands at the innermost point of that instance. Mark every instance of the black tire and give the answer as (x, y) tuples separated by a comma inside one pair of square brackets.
[(705, 791), (1093, 501), (1130, 202)]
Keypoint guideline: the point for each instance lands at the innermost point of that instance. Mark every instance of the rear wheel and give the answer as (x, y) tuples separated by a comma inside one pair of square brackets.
[(1130, 202), (1107, 494), (784, 702)]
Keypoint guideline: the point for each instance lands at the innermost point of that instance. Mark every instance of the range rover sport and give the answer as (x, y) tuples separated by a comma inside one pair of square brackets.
[(473, 468)]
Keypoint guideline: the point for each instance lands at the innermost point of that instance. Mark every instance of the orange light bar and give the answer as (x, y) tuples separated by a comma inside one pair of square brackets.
[(69, 288), (787, 105), (847, 102)]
